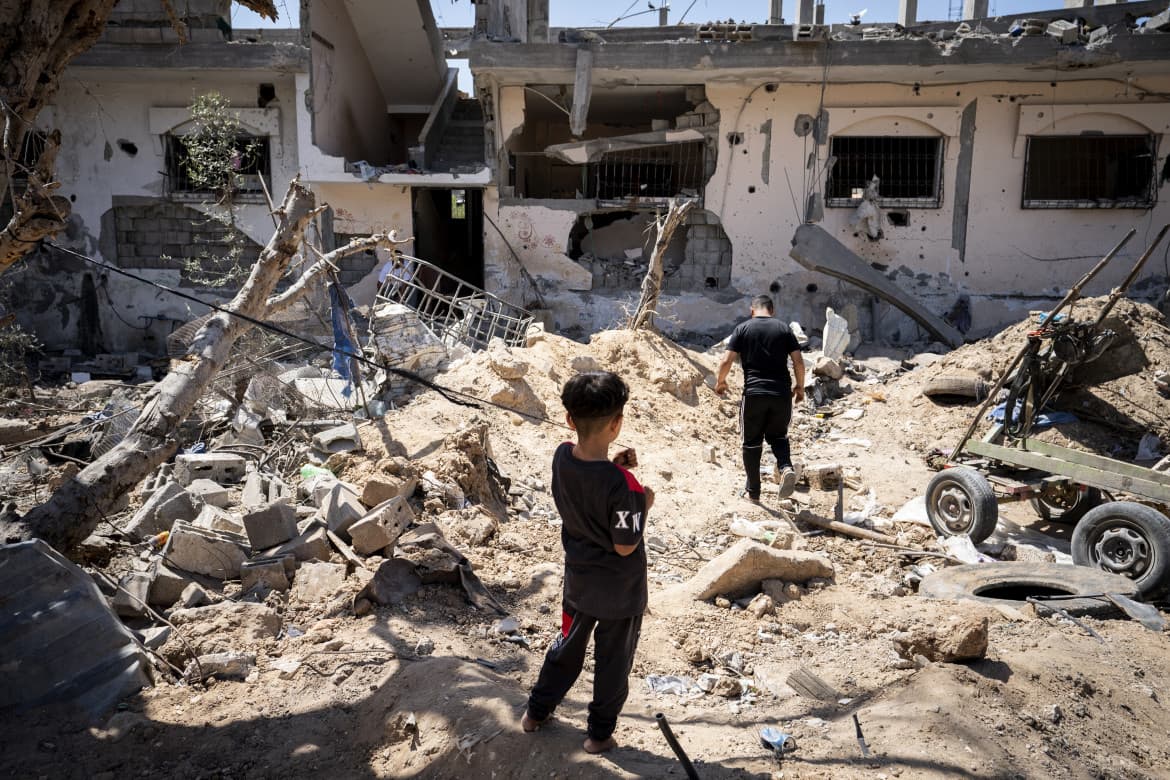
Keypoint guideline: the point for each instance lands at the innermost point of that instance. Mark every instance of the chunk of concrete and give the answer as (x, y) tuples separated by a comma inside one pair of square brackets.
[(956, 638), (395, 515), (194, 595), (583, 364), (215, 519), (311, 545), (269, 572), (217, 554), (133, 592), (165, 505), (383, 487), (343, 438), (317, 582), (823, 476), (368, 536), (341, 507), (828, 368), (815, 249), (740, 570), (208, 492), (255, 492), (506, 365), (221, 467), (222, 666), (271, 525), (167, 585), (1064, 30)]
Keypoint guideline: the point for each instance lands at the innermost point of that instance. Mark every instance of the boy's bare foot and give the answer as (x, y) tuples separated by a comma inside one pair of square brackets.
[(594, 746), (531, 724)]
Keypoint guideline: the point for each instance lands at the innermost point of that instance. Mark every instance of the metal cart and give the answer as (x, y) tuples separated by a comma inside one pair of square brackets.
[(1121, 511)]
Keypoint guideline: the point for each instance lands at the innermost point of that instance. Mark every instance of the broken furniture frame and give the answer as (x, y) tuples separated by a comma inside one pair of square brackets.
[(453, 310), (1124, 537)]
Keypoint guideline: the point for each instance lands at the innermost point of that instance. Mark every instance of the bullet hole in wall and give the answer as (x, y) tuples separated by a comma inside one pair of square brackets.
[(267, 94), (811, 288), (129, 147), (898, 217), (774, 288), (711, 282), (752, 189), (735, 139), (771, 87), (924, 228), (72, 198)]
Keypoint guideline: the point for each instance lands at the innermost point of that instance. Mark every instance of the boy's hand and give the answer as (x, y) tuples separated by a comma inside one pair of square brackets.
[(627, 458), (721, 387), (649, 497)]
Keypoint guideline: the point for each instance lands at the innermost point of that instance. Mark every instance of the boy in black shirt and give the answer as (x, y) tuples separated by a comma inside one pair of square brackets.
[(603, 509)]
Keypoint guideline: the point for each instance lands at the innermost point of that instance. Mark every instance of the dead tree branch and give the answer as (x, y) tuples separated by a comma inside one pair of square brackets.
[(665, 226), (294, 293), (76, 508)]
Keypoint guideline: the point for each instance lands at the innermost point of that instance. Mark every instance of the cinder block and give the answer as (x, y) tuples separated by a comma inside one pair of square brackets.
[(383, 487), (254, 493), (133, 591), (271, 524), (215, 553), (269, 572), (341, 507), (215, 519), (221, 467), (368, 535), (208, 492), (166, 505), (167, 586), (343, 438), (311, 545)]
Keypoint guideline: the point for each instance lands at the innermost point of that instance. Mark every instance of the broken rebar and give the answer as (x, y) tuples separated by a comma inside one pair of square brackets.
[(688, 767)]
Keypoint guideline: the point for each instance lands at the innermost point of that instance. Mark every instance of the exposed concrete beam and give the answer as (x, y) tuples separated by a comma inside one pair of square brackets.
[(807, 12), (962, 207), (582, 92), (974, 9), (776, 14), (818, 251), (583, 152), (1078, 3), (538, 21), (281, 57), (907, 12)]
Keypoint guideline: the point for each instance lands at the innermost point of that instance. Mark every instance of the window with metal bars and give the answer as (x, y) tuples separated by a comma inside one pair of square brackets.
[(909, 167), (649, 172), (1090, 172), (254, 161)]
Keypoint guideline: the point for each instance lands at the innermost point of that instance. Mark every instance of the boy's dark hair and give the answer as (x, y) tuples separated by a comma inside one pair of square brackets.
[(763, 302), (593, 399)]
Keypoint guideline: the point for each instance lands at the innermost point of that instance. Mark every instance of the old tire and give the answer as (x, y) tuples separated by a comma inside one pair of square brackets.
[(960, 501), (1064, 508), (956, 387), (1128, 539), (1009, 584)]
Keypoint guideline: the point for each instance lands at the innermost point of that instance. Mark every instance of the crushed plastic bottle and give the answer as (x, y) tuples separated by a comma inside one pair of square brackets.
[(760, 531)]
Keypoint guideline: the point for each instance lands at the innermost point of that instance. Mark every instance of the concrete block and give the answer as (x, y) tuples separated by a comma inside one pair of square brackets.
[(383, 487), (215, 519), (133, 591), (829, 368), (271, 524), (740, 570), (823, 476), (167, 586), (395, 515), (269, 572), (255, 492), (343, 438), (215, 553), (194, 595), (165, 505), (1064, 31), (278, 489), (317, 582), (208, 492), (311, 544), (221, 467), (368, 536), (341, 507)]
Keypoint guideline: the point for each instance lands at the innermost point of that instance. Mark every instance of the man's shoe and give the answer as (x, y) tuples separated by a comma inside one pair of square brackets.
[(787, 482)]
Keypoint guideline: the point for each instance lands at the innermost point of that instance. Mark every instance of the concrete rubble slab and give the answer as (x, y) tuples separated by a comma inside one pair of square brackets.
[(740, 570), (133, 592), (581, 152), (317, 582), (271, 525), (383, 487), (164, 506), (60, 642), (217, 554), (269, 572), (341, 507), (255, 492), (221, 467), (167, 585), (369, 536), (215, 519), (222, 666), (209, 492), (818, 251), (343, 438), (312, 544)]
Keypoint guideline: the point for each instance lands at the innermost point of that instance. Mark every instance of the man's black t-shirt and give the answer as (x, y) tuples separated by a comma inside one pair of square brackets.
[(601, 504), (763, 344)]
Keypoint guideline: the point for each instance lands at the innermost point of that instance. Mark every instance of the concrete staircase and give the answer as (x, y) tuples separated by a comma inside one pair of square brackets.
[(462, 145)]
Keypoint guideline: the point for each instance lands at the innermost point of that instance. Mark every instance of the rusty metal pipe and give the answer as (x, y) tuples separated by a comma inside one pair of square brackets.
[(688, 767)]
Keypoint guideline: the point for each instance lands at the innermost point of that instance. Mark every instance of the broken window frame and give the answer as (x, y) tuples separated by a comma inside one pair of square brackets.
[(1030, 168), (249, 190), (929, 202), (617, 171)]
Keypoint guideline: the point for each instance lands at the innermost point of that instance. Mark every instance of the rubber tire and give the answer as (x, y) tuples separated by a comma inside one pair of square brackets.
[(1152, 525), (965, 582), (1091, 499), (980, 499), (956, 386)]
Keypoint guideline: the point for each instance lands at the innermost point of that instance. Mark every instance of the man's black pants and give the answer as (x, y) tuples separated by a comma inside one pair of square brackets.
[(764, 418), (613, 657)]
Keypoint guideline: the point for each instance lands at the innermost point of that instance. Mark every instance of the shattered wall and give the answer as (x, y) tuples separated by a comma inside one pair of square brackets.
[(112, 123)]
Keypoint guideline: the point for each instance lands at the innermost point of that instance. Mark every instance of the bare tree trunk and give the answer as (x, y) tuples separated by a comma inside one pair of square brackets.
[(38, 40), (643, 316), (76, 508)]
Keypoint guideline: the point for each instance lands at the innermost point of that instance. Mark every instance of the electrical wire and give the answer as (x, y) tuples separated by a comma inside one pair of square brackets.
[(452, 395)]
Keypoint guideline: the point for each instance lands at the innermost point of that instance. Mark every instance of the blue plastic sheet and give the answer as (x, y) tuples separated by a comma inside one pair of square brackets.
[(1045, 419), (343, 346)]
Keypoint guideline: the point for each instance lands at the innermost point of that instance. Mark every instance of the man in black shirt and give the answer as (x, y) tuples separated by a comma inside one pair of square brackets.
[(603, 512), (763, 345)]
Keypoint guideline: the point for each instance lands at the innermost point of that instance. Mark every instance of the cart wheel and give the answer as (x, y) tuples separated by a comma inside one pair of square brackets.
[(1130, 539), (960, 501), (1067, 504)]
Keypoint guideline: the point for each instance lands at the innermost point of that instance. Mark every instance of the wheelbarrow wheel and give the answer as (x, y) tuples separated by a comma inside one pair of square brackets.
[(960, 501), (1129, 539), (1066, 505)]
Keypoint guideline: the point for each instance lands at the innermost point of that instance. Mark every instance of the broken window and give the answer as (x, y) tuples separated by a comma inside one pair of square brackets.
[(650, 172), (909, 167), (1089, 172), (253, 160)]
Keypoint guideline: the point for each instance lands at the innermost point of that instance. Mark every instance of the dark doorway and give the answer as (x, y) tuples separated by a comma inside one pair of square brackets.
[(448, 231)]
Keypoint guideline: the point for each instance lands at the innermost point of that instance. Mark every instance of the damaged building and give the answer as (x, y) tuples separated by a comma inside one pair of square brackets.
[(978, 166)]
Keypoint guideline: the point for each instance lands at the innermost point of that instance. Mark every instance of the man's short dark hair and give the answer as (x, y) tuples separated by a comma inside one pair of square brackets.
[(763, 302), (593, 399)]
